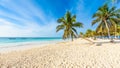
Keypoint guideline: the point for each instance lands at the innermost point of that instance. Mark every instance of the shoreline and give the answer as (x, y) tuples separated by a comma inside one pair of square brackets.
[(21, 46), (36, 44)]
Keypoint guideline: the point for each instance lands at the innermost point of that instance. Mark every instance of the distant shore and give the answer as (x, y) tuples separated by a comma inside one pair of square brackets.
[(77, 54)]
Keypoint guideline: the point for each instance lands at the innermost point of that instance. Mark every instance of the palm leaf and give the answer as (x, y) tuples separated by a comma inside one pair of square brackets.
[(74, 30), (78, 24), (74, 18), (59, 27), (61, 20), (96, 21)]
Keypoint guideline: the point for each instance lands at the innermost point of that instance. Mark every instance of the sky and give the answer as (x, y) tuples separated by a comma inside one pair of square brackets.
[(38, 18)]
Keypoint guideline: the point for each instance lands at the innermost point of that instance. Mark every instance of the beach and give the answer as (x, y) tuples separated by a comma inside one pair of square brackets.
[(77, 54), (59, 34)]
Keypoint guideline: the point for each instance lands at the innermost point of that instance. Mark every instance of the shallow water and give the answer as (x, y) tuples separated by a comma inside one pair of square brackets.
[(8, 41)]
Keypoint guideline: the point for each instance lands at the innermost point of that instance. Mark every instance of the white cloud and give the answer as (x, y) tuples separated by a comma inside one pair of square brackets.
[(25, 9), (9, 29), (29, 27)]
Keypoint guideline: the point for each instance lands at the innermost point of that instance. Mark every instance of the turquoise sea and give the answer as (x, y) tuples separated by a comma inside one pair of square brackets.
[(5, 41)]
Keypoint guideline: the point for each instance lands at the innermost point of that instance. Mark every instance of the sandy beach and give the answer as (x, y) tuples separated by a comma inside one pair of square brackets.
[(77, 54)]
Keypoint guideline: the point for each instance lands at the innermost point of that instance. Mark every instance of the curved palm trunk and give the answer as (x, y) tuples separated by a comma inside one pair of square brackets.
[(71, 36), (108, 31), (102, 36), (72, 39), (115, 31)]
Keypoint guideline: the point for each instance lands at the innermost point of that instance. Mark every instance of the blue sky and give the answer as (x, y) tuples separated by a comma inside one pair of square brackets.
[(37, 18)]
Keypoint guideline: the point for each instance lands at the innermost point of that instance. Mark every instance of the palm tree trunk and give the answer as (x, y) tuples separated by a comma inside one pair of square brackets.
[(115, 31), (108, 31), (102, 35), (72, 38)]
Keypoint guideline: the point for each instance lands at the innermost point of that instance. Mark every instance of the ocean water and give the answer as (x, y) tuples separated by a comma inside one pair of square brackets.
[(10, 41)]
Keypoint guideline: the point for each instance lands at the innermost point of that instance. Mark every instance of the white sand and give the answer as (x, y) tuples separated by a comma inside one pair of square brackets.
[(77, 54)]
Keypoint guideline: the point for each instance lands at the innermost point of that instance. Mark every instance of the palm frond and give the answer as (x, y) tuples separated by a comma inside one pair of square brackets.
[(96, 21), (117, 11), (112, 9), (115, 20), (96, 15), (74, 18), (78, 24), (68, 17), (60, 20), (59, 27), (74, 30)]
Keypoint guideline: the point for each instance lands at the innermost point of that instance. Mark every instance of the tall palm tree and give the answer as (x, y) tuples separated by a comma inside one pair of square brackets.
[(113, 3), (68, 24), (106, 17)]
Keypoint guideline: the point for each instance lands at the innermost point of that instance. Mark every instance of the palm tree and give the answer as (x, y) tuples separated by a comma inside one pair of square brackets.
[(89, 33), (118, 30), (81, 34), (106, 17), (113, 3), (68, 24)]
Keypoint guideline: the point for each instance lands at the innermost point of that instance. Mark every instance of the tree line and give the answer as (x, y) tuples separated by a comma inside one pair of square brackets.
[(107, 18)]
